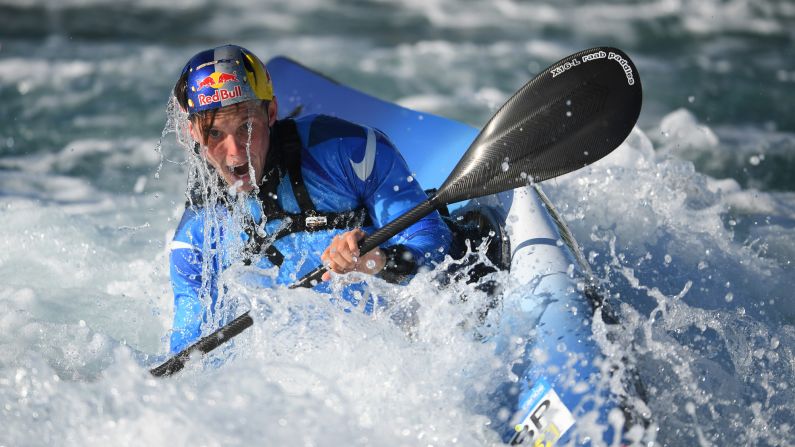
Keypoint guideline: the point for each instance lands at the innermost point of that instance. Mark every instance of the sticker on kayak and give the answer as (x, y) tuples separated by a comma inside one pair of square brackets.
[(547, 421)]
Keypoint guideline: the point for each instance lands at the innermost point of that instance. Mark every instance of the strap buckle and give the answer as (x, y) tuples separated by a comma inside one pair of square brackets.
[(314, 222)]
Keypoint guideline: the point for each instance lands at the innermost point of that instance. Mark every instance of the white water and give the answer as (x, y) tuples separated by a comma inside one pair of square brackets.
[(696, 257), (83, 294)]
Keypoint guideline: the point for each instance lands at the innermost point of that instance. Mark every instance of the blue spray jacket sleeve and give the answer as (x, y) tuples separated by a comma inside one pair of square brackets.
[(394, 192), (186, 261)]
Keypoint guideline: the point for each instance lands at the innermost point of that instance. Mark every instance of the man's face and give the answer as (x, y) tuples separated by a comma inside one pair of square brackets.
[(237, 142)]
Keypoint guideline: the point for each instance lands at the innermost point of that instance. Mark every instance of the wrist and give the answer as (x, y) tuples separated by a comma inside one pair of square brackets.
[(374, 261)]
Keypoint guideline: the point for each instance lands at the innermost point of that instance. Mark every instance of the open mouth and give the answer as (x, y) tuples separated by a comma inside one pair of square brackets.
[(239, 170)]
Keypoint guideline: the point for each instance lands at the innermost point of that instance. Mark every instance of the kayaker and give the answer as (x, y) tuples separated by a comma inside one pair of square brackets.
[(310, 188)]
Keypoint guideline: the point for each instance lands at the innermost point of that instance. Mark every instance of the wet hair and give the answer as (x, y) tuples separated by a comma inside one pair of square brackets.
[(181, 90)]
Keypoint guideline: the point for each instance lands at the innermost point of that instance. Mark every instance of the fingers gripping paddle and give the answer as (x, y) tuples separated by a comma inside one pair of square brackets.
[(572, 114)]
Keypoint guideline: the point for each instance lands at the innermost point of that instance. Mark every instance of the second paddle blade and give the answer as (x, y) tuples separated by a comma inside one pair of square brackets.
[(572, 114)]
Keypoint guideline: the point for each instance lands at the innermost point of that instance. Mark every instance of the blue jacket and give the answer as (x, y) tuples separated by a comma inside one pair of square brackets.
[(344, 166)]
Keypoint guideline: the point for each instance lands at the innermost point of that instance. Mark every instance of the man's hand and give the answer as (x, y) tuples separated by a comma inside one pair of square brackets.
[(342, 256)]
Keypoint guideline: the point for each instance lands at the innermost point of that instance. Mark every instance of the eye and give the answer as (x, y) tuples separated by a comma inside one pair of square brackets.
[(246, 128), (214, 133)]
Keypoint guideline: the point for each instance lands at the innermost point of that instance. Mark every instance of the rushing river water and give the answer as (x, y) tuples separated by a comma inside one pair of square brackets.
[(690, 227)]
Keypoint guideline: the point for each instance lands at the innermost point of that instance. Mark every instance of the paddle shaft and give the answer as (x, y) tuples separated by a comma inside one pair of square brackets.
[(244, 321), (203, 346)]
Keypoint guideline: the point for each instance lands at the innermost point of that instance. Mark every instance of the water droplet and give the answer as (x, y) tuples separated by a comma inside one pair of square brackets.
[(568, 113), (668, 259), (754, 160), (568, 102), (409, 179), (729, 297), (505, 166), (396, 188), (690, 408), (370, 264), (561, 347), (691, 99)]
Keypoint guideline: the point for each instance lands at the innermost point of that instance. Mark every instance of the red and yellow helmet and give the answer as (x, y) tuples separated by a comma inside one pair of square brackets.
[(223, 76)]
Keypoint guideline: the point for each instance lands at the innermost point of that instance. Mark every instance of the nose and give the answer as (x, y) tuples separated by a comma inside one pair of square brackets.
[(235, 149)]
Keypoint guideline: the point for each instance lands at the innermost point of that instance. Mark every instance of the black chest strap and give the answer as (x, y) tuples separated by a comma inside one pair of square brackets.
[(290, 162), (286, 146)]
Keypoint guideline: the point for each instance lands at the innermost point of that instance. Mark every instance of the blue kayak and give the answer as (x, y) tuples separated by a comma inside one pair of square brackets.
[(561, 394)]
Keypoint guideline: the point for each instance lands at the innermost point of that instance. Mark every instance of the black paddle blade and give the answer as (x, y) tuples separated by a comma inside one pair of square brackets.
[(572, 114)]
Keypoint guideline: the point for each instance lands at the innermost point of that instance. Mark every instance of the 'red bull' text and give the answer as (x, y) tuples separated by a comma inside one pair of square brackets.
[(220, 95)]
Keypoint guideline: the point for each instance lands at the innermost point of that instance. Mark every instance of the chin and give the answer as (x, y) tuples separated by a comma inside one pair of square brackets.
[(239, 184)]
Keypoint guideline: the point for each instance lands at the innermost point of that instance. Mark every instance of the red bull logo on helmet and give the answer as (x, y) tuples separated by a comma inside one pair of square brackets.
[(220, 95), (217, 80)]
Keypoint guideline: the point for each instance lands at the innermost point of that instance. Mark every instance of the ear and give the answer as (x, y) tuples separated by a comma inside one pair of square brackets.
[(273, 109)]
